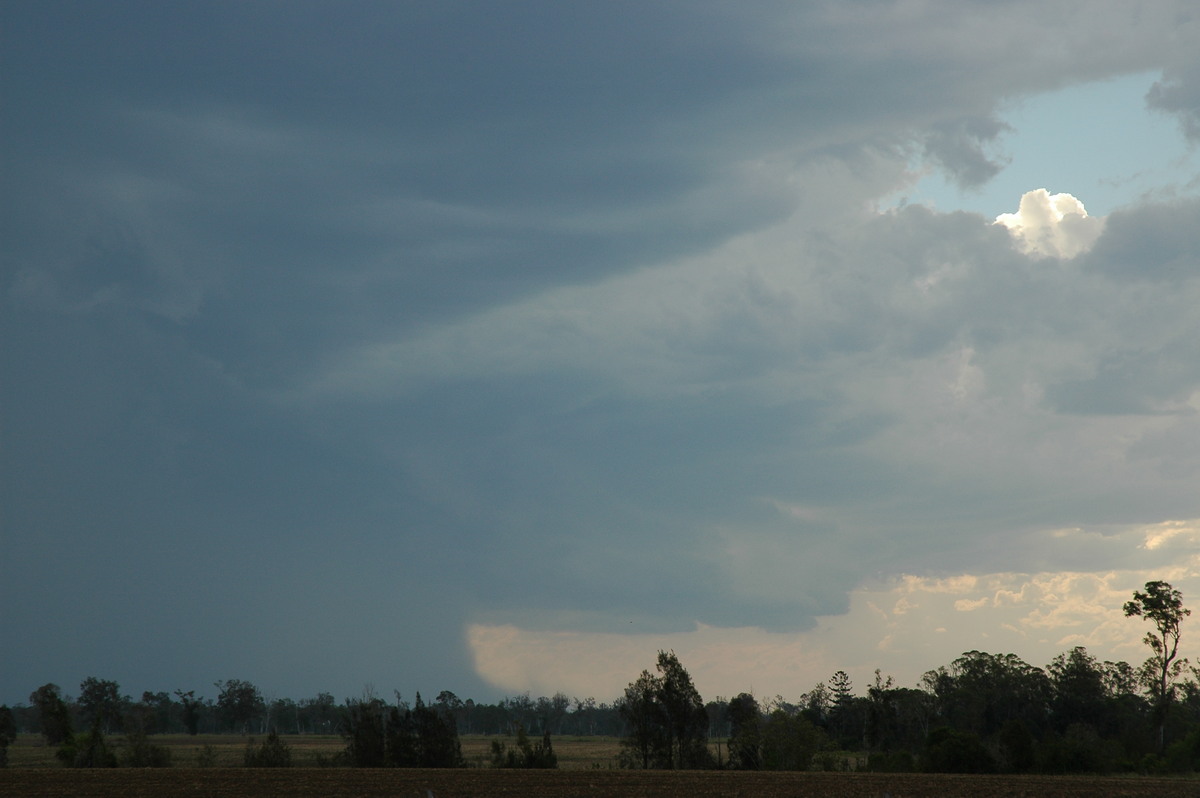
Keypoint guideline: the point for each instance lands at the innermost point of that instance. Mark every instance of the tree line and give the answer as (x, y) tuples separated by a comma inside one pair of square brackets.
[(980, 713)]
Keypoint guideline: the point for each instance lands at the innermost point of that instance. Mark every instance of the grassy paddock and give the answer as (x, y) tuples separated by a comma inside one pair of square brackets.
[(310, 750), (574, 753), (221, 750)]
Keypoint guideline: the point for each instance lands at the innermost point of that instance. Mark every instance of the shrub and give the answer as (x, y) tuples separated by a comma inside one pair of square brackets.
[(950, 751), (207, 758), (525, 755), (891, 762), (87, 751), (1184, 755), (140, 753), (1079, 750), (273, 753)]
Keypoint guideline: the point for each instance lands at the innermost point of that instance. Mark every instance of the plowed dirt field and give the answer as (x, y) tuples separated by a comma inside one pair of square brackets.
[(477, 783)]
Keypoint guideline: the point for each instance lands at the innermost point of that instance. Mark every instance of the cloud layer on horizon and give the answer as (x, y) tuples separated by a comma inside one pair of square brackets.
[(913, 624)]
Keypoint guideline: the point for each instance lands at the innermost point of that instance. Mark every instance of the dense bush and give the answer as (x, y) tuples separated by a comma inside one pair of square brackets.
[(951, 751), (273, 753), (525, 754), (140, 753)]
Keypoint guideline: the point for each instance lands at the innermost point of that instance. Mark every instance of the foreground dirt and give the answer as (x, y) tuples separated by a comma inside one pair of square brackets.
[(345, 783)]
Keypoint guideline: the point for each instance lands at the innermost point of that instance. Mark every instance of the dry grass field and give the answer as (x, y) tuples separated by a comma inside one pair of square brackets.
[(226, 750), (588, 769)]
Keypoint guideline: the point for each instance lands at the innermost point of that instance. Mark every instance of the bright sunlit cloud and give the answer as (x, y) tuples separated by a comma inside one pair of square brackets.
[(1056, 225)]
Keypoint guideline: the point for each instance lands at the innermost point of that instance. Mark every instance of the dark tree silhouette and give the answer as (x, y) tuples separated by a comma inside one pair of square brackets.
[(1162, 605), (53, 713)]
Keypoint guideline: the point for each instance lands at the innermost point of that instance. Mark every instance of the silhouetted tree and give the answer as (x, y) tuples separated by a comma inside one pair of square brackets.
[(745, 733), (381, 736), (191, 710), (789, 741), (686, 720), (1079, 695), (980, 692), (155, 713), (319, 715), (100, 702), (1162, 605), (842, 721), (438, 745), (238, 702), (53, 714), (365, 727), (645, 743), (8, 733), (666, 724)]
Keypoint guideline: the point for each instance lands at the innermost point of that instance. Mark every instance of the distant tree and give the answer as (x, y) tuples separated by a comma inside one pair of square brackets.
[(521, 710), (1162, 605), (645, 743), (745, 733), (841, 689), (586, 714), (438, 745), (400, 736), (717, 711), (1130, 715), (191, 710), (1079, 695), (816, 704), (687, 722), (881, 713), (8, 733), (365, 729), (554, 711), (100, 701), (239, 702), (789, 741), (1120, 678), (53, 714), (667, 726), (319, 715), (156, 713), (980, 692), (284, 713), (448, 702), (842, 721)]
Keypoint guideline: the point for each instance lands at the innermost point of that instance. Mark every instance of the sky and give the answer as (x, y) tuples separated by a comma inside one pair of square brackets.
[(494, 347)]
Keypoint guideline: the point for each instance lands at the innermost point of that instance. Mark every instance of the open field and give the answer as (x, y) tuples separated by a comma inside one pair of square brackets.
[(227, 750), (477, 783), (588, 769)]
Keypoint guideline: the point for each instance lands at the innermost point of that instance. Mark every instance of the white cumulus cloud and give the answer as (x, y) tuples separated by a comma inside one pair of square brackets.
[(1052, 224)]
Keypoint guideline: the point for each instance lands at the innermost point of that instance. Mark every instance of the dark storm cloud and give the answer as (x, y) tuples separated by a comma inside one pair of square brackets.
[(359, 323)]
